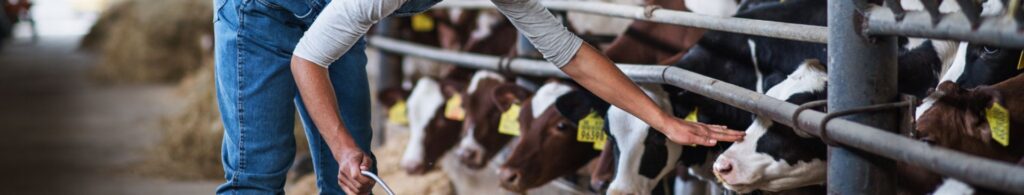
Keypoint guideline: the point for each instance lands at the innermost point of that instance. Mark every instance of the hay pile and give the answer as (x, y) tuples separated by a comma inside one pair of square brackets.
[(190, 143), (151, 40), (388, 157)]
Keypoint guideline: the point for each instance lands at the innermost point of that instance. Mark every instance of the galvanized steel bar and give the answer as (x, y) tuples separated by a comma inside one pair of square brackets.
[(996, 31), (865, 66), (798, 32), (970, 169)]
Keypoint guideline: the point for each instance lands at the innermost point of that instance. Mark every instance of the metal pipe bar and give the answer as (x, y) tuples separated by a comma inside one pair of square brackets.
[(865, 66), (996, 31), (983, 172), (782, 30)]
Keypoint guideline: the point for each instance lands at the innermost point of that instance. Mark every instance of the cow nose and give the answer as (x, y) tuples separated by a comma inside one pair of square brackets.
[(509, 176), (469, 155), (414, 168), (723, 166), (598, 185)]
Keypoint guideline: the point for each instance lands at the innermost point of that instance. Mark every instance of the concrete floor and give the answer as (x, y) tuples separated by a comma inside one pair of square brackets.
[(60, 133)]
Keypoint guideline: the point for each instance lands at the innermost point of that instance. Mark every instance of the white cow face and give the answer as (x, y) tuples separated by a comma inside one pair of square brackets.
[(773, 157)]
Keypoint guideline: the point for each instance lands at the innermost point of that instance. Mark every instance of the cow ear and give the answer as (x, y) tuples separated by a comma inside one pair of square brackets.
[(449, 88), (390, 96), (507, 94), (577, 104)]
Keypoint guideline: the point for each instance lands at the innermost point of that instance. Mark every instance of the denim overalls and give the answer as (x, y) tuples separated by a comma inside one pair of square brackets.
[(254, 40)]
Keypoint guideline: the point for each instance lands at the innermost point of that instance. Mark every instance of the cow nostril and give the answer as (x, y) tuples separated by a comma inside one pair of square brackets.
[(723, 167), (510, 177)]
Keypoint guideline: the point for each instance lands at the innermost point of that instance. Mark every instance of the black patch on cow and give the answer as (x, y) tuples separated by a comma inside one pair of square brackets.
[(782, 143), (918, 69), (655, 154), (577, 104), (988, 65)]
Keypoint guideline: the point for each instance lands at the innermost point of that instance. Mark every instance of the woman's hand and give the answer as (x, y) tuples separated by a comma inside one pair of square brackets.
[(352, 161), (691, 133)]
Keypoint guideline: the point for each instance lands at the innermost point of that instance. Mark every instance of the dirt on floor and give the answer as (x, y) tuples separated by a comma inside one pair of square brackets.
[(388, 157)]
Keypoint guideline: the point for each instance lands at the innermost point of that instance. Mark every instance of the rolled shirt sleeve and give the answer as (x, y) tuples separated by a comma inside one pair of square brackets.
[(544, 31), (339, 26)]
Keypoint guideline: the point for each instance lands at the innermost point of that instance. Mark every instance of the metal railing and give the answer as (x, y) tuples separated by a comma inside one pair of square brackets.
[(782, 30), (1001, 31), (974, 170)]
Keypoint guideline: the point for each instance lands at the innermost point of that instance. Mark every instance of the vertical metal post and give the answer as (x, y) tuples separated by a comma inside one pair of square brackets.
[(390, 75), (862, 71)]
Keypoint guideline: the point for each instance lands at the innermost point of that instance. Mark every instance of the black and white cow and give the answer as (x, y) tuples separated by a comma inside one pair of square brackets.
[(774, 157)]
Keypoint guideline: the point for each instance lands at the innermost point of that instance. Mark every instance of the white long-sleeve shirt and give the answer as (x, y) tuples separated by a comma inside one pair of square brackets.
[(342, 22)]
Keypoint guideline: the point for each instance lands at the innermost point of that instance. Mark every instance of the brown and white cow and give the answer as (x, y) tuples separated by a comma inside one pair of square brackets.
[(481, 140), (548, 148), (958, 120), (431, 134)]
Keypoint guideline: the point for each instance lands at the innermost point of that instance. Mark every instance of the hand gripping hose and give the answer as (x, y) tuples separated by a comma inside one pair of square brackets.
[(379, 181)]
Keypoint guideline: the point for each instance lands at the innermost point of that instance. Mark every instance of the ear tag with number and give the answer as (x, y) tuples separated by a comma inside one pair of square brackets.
[(599, 145), (453, 108), (422, 22), (396, 114), (591, 129), (999, 123), (692, 117), (509, 124)]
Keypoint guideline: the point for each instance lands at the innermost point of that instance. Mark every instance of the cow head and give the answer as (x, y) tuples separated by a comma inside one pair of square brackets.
[(431, 134), (645, 155), (482, 140), (773, 157), (957, 120), (548, 147)]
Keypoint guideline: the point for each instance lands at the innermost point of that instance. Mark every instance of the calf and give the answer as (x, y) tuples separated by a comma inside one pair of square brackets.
[(643, 166), (548, 148), (774, 157), (482, 140), (654, 43), (431, 134), (955, 118)]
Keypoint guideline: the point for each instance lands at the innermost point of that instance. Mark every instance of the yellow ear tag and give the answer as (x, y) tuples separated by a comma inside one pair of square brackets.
[(396, 114), (692, 117), (999, 123), (1020, 61), (421, 22), (509, 124), (453, 108), (591, 129), (599, 145)]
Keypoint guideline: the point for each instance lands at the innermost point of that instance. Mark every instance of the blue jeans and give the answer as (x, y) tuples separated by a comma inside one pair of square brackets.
[(254, 40)]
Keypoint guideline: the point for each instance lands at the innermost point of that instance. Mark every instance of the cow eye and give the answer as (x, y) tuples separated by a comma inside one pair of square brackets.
[(990, 50)]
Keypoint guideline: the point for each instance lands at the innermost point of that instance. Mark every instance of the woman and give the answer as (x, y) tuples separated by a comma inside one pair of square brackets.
[(255, 43)]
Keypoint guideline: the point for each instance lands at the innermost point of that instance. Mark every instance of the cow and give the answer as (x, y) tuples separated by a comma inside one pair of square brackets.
[(774, 157), (958, 119), (548, 122), (646, 42), (431, 134), (631, 135), (976, 66), (482, 140)]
